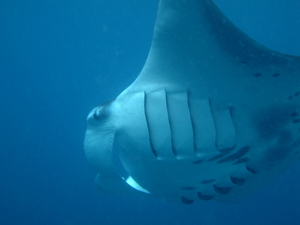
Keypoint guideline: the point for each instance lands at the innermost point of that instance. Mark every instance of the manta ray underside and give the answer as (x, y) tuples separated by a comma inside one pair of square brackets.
[(212, 115)]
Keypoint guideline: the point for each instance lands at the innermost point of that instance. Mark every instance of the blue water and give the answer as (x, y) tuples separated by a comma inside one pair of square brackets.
[(58, 60)]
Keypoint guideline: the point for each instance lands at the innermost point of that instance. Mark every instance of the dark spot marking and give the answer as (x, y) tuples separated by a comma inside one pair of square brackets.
[(294, 114), (270, 121), (285, 137), (276, 74), (296, 121), (225, 151), (238, 181), (188, 188), (216, 157), (239, 154), (244, 61), (186, 201), (222, 190), (290, 97), (296, 152), (257, 74), (251, 170), (297, 93), (243, 160), (277, 154), (198, 161), (208, 181), (204, 197)]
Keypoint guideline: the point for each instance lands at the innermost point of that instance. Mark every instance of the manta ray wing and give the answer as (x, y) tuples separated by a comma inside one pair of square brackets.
[(212, 115)]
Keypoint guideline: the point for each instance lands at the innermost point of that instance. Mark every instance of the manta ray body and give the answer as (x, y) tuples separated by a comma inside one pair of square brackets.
[(212, 115)]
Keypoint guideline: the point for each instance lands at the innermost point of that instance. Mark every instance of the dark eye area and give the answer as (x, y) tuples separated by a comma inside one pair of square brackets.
[(103, 111), (99, 113)]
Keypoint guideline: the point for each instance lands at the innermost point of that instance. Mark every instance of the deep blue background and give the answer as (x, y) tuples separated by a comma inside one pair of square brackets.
[(58, 60)]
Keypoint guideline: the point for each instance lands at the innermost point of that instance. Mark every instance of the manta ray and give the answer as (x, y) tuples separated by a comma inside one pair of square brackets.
[(213, 115)]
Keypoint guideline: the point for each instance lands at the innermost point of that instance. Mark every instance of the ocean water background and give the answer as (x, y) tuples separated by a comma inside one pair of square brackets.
[(58, 60)]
